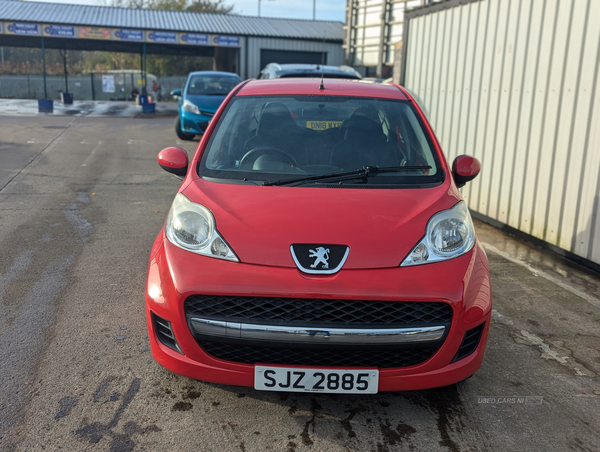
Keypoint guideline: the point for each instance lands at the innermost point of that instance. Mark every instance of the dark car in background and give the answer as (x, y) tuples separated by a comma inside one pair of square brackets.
[(275, 70), (199, 99)]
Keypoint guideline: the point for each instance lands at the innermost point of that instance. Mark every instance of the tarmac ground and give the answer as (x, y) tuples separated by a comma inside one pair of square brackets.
[(81, 201)]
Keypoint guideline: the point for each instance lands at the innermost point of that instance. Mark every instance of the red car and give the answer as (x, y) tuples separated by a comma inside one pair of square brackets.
[(319, 243)]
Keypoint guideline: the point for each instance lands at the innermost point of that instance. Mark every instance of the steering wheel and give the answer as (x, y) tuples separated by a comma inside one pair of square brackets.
[(251, 156)]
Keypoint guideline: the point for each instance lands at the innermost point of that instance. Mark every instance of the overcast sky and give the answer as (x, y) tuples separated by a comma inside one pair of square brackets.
[(293, 9)]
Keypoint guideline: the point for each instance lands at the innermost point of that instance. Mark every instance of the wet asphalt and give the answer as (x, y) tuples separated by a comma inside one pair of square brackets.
[(81, 201)]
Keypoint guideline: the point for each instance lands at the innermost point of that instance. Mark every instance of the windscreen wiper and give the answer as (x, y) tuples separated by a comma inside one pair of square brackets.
[(365, 171)]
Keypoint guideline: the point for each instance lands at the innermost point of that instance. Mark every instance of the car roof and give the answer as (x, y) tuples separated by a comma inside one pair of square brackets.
[(214, 73), (313, 68), (333, 87)]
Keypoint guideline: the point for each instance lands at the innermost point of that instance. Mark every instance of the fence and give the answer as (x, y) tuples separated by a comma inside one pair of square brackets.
[(85, 87)]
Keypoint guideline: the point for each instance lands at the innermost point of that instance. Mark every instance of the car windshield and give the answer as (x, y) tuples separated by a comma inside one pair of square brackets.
[(303, 140), (211, 84)]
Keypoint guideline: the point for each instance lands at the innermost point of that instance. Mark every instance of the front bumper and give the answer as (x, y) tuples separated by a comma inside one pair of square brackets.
[(175, 274), (193, 123)]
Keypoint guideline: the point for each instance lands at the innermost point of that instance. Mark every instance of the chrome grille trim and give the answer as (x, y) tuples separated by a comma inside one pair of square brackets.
[(306, 334)]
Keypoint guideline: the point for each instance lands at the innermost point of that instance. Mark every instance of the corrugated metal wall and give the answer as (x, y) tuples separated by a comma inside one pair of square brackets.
[(516, 84), (335, 52)]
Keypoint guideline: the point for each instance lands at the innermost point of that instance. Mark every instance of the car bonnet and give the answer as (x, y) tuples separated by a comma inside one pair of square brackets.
[(380, 226)]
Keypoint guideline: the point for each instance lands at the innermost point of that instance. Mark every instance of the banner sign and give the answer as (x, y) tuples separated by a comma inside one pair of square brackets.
[(128, 35), (119, 34), (226, 41), (194, 39), (94, 33), (61, 31), (15, 28), (163, 37)]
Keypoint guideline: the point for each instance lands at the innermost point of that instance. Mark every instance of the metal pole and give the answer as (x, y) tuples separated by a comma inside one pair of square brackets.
[(44, 68), (145, 76), (258, 8), (93, 89), (63, 54), (314, 10)]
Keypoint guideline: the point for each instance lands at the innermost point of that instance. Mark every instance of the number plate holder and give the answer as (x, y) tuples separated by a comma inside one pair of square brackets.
[(294, 379)]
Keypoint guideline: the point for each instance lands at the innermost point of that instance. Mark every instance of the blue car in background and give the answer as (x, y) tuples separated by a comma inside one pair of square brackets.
[(199, 100)]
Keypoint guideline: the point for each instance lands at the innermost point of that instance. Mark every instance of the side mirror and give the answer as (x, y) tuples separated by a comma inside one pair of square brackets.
[(464, 169), (176, 93), (173, 160)]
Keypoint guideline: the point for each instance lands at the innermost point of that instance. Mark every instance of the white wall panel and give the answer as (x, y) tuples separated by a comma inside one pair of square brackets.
[(550, 131), (516, 84), (471, 115), (463, 101), (510, 107), (587, 137), (540, 98), (578, 83), (457, 94), (527, 71), (436, 72)]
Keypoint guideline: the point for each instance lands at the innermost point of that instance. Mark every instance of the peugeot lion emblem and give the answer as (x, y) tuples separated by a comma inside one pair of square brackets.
[(319, 258), (322, 255)]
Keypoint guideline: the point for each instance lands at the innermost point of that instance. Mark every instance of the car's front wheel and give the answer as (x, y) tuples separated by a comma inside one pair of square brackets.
[(180, 133)]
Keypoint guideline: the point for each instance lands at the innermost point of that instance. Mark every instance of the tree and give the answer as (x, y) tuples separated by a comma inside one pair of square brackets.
[(195, 6), (208, 6)]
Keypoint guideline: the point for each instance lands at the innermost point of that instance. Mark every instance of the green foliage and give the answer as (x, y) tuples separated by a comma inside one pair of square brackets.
[(196, 6), (24, 60)]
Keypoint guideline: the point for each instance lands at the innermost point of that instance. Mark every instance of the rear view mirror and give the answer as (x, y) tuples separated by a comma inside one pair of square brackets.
[(176, 93), (173, 160), (464, 169)]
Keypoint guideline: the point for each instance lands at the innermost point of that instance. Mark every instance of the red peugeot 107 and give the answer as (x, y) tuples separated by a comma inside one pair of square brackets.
[(319, 243)]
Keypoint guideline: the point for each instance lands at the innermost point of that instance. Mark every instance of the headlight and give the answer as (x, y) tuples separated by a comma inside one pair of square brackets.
[(191, 226), (450, 233), (188, 106)]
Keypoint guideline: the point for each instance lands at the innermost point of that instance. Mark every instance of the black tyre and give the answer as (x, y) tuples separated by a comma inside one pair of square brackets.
[(181, 134)]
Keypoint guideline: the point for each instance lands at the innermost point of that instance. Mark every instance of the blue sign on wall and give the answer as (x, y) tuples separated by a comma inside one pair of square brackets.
[(165, 37), (63, 31), (129, 35), (22, 29), (226, 41), (194, 39)]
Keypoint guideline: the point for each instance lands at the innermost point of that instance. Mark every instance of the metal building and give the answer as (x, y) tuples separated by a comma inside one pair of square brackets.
[(373, 38), (240, 44), (516, 83)]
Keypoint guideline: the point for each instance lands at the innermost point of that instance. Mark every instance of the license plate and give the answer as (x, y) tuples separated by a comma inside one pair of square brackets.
[(291, 379)]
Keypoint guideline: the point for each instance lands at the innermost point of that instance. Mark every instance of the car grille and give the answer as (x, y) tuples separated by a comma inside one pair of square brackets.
[(308, 311), (252, 354), (317, 312)]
